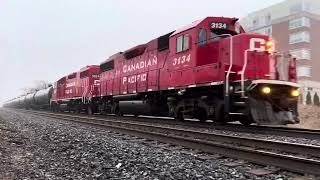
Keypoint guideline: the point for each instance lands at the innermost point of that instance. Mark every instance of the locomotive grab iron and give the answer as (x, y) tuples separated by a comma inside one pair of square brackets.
[(210, 69)]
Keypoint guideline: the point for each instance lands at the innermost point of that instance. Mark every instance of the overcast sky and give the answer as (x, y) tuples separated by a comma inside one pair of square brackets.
[(47, 39)]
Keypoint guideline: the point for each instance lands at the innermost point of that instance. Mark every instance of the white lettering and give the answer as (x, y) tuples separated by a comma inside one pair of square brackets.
[(124, 80), (155, 60), (125, 68), (182, 60), (70, 84), (257, 41), (68, 91), (140, 65), (149, 63), (135, 78)]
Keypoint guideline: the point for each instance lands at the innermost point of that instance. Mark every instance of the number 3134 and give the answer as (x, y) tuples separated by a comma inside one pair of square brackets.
[(182, 59)]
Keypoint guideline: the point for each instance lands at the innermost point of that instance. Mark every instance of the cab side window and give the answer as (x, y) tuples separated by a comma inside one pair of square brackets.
[(202, 37), (186, 42), (214, 36), (179, 44), (183, 43)]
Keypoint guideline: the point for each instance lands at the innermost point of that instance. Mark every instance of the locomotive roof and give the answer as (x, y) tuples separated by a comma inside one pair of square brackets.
[(192, 25), (196, 23), (142, 47), (112, 57), (88, 67)]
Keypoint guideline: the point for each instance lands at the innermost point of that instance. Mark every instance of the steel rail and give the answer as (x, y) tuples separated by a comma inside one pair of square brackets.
[(214, 143), (244, 141), (267, 130)]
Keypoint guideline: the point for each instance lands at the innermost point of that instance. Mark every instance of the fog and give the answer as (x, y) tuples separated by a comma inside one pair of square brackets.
[(47, 39)]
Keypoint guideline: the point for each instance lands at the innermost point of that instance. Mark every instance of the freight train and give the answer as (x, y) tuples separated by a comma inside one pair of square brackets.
[(210, 69)]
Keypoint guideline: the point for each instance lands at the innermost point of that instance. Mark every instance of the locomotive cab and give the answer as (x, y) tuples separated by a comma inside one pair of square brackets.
[(236, 65)]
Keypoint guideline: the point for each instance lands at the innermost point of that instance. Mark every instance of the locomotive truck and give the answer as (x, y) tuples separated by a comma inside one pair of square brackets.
[(210, 69)]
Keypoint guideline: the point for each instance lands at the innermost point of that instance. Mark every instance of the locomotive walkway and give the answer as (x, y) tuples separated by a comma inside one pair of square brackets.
[(289, 156)]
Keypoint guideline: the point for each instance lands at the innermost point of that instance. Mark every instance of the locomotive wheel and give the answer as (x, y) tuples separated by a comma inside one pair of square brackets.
[(118, 112), (202, 115), (220, 116), (89, 110), (77, 111), (245, 121), (179, 115)]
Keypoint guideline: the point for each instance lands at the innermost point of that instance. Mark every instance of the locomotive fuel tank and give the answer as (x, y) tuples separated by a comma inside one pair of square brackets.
[(135, 107), (142, 107)]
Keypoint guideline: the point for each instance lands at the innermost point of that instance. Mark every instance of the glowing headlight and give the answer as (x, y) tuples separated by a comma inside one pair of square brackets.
[(270, 46), (266, 90), (295, 93)]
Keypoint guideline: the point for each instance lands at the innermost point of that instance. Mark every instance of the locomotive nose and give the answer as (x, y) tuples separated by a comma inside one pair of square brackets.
[(272, 104)]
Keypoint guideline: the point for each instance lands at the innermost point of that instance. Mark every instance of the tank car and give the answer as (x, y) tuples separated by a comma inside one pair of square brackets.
[(37, 100)]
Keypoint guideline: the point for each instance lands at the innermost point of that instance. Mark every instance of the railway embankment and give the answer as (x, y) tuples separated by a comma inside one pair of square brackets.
[(35, 147), (309, 117)]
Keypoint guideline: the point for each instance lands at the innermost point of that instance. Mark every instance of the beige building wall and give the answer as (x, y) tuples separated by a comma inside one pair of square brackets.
[(263, 18)]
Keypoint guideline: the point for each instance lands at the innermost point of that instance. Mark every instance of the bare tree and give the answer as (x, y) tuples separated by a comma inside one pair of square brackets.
[(37, 85), (41, 84)]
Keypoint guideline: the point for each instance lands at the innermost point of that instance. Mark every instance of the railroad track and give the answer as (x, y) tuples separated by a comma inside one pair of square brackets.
[(290, 156), (267, 130), (264, 130)]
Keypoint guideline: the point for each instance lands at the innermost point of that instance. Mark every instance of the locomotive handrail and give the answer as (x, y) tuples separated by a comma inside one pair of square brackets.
[(243, 70), (230, 62), (244, 67)]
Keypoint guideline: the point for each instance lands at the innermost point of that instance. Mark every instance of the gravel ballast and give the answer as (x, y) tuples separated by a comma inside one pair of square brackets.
[(34, 147)]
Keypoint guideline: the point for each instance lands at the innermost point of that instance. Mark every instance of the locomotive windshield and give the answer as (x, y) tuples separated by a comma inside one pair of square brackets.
[(219, 28)]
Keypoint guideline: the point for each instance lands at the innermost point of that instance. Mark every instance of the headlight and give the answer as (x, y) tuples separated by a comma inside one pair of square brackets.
[(270, 46), (295, 93), (266, 90)]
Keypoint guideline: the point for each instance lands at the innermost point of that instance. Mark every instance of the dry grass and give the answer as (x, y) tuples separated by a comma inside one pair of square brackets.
[(309, 117)]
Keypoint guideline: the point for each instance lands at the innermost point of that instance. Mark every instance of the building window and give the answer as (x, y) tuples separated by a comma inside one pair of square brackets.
[(300, 7), (300, 22), (269, 31), (266, 31), (298, 37), (182, 43), (304, 71), (268, 19), (301, 53), (255, 22)]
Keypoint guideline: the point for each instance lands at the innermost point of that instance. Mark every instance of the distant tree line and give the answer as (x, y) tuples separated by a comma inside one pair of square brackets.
[(316, 100), (37, 85)]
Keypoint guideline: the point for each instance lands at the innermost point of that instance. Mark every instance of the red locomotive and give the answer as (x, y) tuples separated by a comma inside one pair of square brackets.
[(75, 91), (211, 69)]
